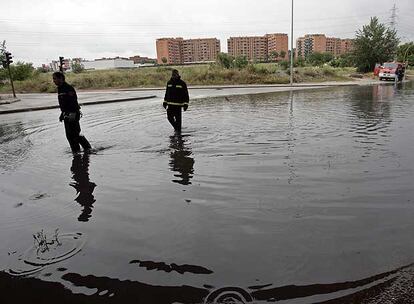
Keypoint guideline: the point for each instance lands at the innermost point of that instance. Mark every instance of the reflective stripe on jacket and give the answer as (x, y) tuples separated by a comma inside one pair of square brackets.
[(170, 103), (176, 93)]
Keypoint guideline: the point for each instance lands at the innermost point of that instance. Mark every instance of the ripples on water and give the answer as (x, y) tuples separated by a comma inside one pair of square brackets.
[(268, 193)]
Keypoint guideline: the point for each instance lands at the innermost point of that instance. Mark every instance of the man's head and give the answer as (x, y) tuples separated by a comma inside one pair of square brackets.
[(175, 74), (58, 78)]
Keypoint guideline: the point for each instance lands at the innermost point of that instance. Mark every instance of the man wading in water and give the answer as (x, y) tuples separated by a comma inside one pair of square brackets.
[(176, 97), (68, 103)]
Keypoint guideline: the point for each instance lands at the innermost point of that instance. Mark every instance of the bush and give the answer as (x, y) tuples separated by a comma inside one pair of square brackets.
[(240, 62), (225, 60), (77, 67), (284, 64), (300, 62), (312, 72), (319, 58), (328, 71), (21, 70)]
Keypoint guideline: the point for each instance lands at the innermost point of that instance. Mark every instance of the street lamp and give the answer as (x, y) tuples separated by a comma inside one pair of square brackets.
[(405, 57), (291, 49), (406, 52)]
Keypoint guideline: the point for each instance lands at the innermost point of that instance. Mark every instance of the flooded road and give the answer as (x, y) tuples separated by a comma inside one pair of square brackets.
[(260, 198)]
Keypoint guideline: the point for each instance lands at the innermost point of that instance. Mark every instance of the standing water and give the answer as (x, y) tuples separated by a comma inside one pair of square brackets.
[(260, 198)]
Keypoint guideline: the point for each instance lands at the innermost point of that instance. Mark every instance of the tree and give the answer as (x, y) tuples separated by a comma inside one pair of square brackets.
[(225, 60), (299, 62), (345, 60), (273, 55), (42, 69), (406, 53), (77, 67), (3, 72), (319, 58), (240, 62), (374, 43), (164, 60), (2, 50), (282, 54), (21, 70)]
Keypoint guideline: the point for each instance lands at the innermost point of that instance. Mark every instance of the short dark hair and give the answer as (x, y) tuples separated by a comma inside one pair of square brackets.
[(175, 72), (59, 75)]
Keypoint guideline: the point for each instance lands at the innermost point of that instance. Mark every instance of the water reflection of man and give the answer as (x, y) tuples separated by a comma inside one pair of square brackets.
[(181, 160), (84, 187)]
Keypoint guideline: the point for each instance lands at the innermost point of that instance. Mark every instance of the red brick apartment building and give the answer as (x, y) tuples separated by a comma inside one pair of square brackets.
[(258, 47), (169, 49), (278, 43), (319, 43), (181, 51)]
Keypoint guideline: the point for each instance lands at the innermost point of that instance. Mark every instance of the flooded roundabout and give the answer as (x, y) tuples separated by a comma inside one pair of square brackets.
[(303, 197)]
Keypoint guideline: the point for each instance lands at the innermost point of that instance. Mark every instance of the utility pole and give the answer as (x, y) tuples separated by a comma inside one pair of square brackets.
[(291, 49), (405, 60), (6, 63), (393, 21)]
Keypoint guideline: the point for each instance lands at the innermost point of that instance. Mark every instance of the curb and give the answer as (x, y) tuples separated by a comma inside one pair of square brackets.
[(254, 86), (88, 103), (8, 101)]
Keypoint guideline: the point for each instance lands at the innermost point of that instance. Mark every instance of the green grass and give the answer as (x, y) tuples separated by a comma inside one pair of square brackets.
[(208, 74)]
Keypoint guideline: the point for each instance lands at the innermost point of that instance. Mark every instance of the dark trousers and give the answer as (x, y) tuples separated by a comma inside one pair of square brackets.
[(72, 129), (174, 117)]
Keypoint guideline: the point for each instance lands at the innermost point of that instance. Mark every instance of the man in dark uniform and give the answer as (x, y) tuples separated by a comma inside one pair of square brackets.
[(176, 97), (68, 103)]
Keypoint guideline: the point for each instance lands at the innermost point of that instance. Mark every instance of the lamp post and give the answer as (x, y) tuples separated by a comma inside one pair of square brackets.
[(291, 49), (405, 58)]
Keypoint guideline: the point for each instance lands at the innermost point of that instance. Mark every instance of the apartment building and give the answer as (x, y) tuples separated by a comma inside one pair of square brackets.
[(200, 50), (347, 45), (333, 46), (169, 50), (253, 47), (319, 43), (180, 51), (278, 43), (258, 48)]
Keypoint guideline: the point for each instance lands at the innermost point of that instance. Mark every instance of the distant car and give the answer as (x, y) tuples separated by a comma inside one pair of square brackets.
[(391, 71)]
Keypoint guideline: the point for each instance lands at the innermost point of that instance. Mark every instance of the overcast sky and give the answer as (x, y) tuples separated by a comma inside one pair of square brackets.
[(40, 31)]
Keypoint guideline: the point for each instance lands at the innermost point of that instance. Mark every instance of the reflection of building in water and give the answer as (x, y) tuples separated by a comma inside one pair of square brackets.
[(84, 187), (181, 160)]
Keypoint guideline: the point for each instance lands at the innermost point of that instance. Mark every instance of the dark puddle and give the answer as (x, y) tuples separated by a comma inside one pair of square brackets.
[(110, 290), (161, 266)]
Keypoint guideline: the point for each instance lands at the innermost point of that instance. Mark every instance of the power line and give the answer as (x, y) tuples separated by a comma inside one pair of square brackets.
[(393, 16), (170, 23)]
